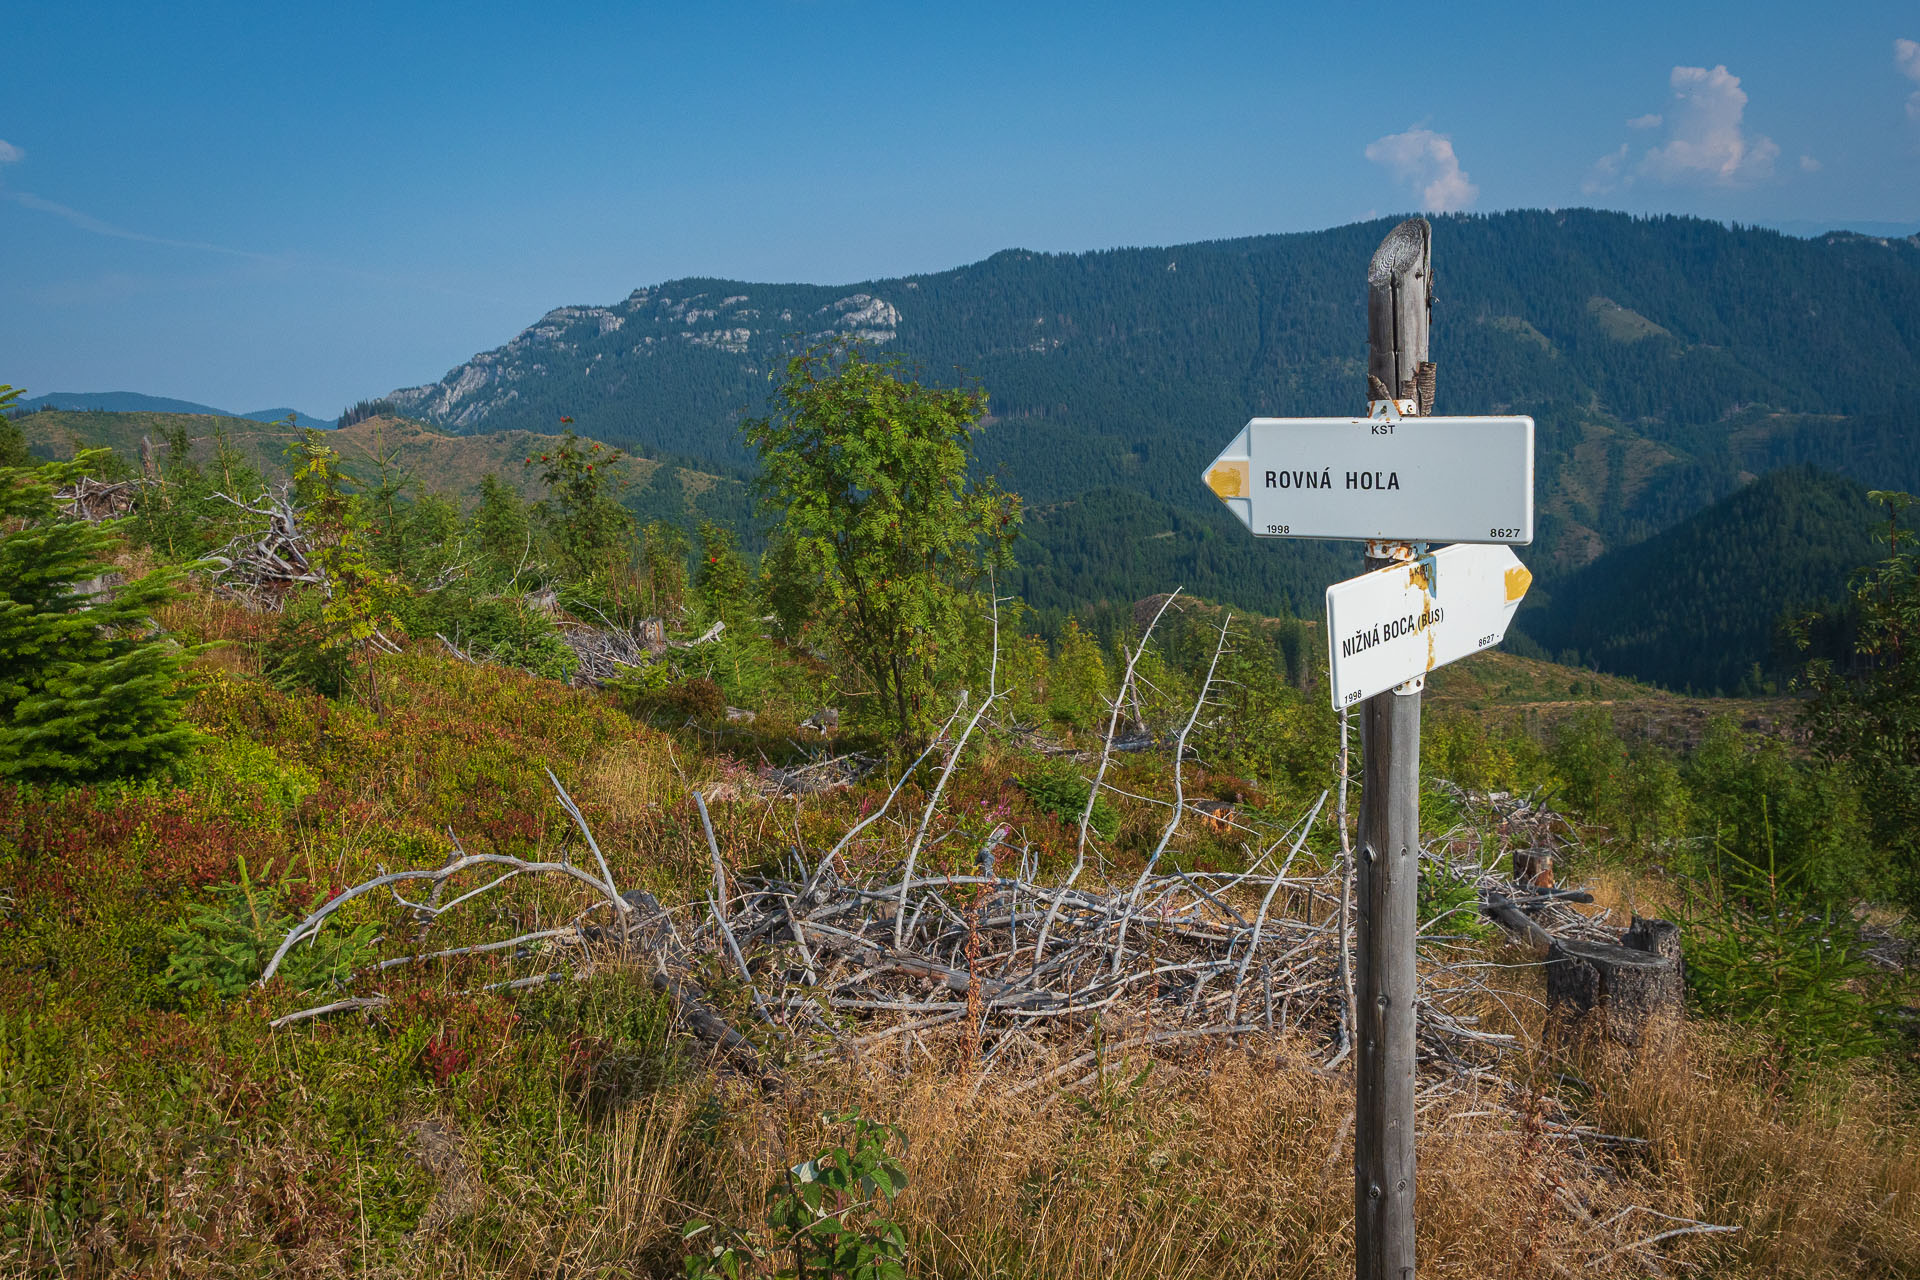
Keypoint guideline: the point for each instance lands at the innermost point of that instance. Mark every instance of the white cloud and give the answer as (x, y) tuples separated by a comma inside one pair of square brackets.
[(1426, 160), (1906, 56), (10, 154), (1605, 173), (1810, 165), (87, 222), (1706, 139)]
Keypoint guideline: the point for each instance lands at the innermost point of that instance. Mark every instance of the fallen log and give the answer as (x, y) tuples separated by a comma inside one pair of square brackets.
[(1502, 911), (650, 929)]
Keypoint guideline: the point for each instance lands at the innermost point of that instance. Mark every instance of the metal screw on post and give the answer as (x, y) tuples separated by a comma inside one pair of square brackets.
[(1399, 306)]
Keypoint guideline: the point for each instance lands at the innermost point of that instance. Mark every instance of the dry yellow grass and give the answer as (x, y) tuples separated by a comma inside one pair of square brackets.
[(1236, 1163), (1822, 1179)]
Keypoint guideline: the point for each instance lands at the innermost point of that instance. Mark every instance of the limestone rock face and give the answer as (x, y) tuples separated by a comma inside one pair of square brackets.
[(622, 346)]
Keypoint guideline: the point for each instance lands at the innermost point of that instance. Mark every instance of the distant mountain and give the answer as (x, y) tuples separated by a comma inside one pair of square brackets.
[(1880, 230), (1667, 360), (135, 402), (1698, 605), (117, 402)]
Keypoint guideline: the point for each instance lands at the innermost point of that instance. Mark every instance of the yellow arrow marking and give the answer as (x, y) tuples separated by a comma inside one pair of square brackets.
[(1518, 580), (1229, 480)]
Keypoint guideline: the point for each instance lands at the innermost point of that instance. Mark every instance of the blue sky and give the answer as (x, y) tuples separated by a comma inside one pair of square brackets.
[(253, 205)]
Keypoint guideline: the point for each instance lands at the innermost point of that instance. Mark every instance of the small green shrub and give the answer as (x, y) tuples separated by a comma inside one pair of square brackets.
[(699, 697), (1444, 893), (639, 688), (654, 689), (502, 629), (1077, 688), (88, 691), (1763, 950), (222, 946), (1062, 792), (300, 654), (226, 769)]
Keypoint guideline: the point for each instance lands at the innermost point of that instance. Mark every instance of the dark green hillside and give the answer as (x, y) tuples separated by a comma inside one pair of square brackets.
[(1697, 606), (452, 465), (1129, 546)]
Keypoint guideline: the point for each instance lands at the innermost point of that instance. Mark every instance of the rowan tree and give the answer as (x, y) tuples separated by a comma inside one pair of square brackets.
[(585, 524)]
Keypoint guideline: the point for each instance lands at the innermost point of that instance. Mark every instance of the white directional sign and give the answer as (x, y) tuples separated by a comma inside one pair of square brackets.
[(1387, 627), (1407, 479)]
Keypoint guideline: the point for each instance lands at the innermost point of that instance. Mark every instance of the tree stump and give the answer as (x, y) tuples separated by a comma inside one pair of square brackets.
[(1656, 937), (1627, 993), (1533, 868)]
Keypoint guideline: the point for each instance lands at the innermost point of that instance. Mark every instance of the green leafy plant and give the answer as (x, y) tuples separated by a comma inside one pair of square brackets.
[(640, 687), (304, 652), (1077, 683), (181, 512), (827, 1217), (1446, 893), (222, 945), (13, 441), (1866, 717), (664, 548), (503, 629), (359, 597), (721, 575), (585, 525), (699, 697), (502, 532)]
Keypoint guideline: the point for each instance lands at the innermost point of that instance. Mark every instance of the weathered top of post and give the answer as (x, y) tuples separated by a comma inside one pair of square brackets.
[(1405, 249), (1399, 306)]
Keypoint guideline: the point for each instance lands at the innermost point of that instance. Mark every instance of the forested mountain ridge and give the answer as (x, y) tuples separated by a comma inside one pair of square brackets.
[(1666, 359), (1699, 606)]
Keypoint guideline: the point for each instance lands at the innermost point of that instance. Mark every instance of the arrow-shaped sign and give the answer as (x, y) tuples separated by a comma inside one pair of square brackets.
[(1408, 479), (1390, 626)]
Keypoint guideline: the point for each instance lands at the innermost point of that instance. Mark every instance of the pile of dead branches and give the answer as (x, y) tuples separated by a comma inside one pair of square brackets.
[(94, 500), (605, 651), (918, 935), (961, 937), (260, 567)]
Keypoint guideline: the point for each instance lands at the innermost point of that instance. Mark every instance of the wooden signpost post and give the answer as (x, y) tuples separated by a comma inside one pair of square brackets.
[(1399, 479)]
